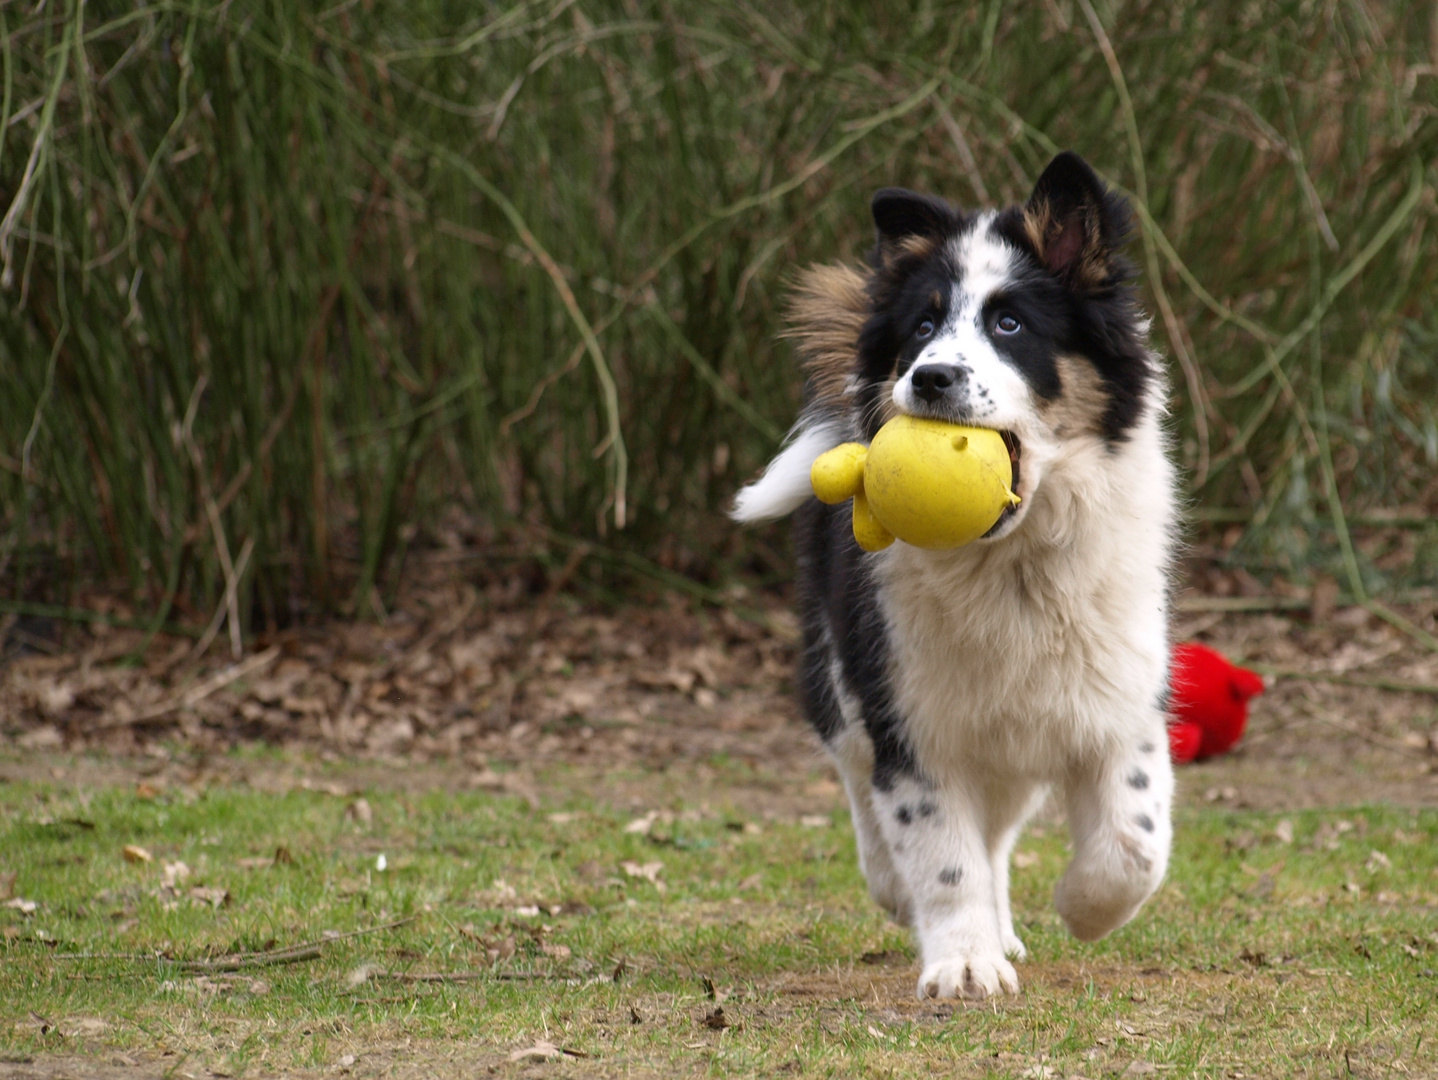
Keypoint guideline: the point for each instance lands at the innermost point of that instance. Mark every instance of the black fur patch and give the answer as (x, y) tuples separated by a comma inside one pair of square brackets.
[(1165, 700), (927, 808), (1145, 747), (816, 685), (1100, 324), (904, 814), (950, 875), (838, 604), (1138, 779), (1144, 822)]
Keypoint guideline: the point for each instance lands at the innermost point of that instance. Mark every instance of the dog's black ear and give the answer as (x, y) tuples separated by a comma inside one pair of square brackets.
[(900, 214), (1076, 225)]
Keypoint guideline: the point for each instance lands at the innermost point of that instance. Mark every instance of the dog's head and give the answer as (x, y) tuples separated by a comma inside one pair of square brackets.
[(1022, 320)]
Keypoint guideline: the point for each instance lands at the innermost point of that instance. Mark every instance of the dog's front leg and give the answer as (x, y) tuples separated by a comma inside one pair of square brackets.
[(937, 840), (1118, 812)]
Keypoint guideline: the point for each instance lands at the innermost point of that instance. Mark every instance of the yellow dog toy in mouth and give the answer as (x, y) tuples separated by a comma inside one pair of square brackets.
[(928, 483)]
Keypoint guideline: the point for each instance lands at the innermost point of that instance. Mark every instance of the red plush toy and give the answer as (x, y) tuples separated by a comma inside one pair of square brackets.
[(1208, 702)]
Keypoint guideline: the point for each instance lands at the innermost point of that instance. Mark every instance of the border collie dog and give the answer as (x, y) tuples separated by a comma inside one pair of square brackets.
[(954, 689)]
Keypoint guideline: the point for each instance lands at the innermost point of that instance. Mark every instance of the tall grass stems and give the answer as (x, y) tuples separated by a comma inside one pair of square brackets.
[(286, 289)]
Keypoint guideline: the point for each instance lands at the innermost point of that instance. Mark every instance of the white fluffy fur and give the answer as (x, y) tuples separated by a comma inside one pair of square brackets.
[(785, 483)]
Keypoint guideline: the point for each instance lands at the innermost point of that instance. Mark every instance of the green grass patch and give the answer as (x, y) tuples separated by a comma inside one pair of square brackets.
[(493, 926)]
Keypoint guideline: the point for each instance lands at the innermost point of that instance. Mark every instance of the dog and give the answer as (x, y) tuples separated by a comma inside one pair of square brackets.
[(955, 689)]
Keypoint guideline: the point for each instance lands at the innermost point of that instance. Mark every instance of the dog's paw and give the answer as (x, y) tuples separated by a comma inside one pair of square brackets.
[(974, 977), (1013, 947)]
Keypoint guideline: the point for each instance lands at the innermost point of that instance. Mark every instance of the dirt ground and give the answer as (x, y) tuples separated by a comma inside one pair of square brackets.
[(491, 685)]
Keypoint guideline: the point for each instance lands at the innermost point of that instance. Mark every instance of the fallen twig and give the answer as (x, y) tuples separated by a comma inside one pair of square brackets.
[(1196, 604), (308, 950), (1372, 736), (253, 960), (1341, 680), (196, 694)]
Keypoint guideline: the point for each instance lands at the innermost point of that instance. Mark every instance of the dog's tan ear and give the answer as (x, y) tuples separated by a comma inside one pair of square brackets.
[(826, 312), (1076, 225)]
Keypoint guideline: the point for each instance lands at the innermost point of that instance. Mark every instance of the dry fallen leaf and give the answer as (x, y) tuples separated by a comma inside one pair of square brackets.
[(1283, 831), (79, 1027), (362, 974), (359, 811), (641, 826), (1025, 859), (542, 1049), (135, 854), (649, 871), (214, 897), (20, 904)]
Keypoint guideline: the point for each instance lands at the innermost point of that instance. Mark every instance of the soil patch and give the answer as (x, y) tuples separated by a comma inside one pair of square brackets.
[(462, 687)]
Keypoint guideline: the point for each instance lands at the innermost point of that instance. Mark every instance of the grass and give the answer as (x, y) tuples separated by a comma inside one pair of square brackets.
[(288, 289), (1260, 956)]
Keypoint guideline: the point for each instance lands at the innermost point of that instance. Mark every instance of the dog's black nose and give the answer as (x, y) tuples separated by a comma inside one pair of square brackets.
[(933, 381)]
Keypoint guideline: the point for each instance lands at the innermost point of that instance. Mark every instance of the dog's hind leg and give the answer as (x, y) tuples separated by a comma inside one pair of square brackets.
[(1118, 813), (854, 755)]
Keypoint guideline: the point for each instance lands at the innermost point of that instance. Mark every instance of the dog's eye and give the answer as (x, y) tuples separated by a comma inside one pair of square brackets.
[(925, 330), (1007, 324)]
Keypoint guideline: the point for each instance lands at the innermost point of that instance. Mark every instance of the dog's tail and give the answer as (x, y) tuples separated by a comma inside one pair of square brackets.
[(826, 313), (784, 485)]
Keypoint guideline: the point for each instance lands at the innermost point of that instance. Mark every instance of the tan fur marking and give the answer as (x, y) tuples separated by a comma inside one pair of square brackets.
[(826, 313), (1079, 408), (1037, 218), (918, 247), (885, 402), (1091, 268)]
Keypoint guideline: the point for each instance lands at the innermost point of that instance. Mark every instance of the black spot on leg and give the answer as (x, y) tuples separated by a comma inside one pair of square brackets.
[(904, 814), (1144, 822), (927, 808), (1138, 780), (1145, 747), (950, 875)]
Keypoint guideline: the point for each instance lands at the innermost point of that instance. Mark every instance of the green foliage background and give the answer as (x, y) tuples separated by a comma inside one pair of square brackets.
[(288, 288)]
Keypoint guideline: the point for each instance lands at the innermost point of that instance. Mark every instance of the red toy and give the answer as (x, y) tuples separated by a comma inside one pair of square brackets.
[(1208, 703)]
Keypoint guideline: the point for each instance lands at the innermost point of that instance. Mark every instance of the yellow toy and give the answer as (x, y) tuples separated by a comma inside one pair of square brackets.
[(928, 483)]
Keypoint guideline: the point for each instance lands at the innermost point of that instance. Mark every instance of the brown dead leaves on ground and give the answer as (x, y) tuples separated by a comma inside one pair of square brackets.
[(495, 678), (451, 674)]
